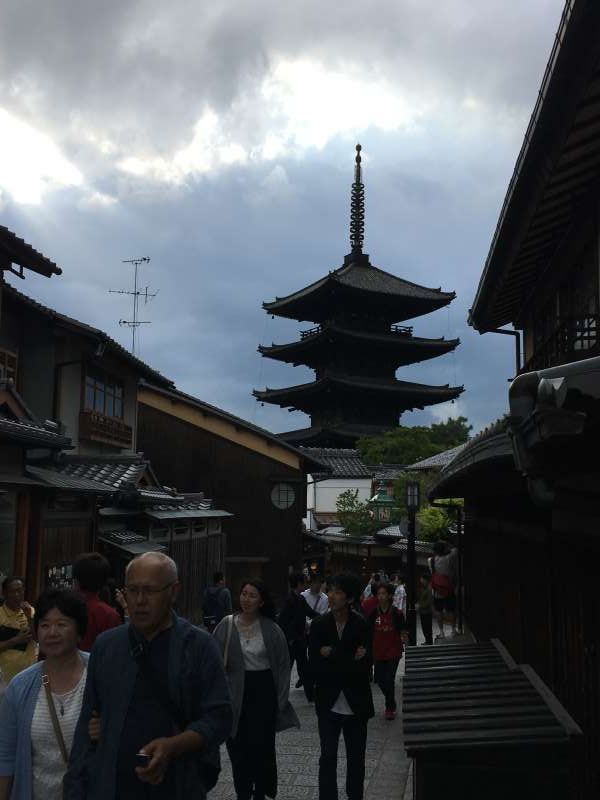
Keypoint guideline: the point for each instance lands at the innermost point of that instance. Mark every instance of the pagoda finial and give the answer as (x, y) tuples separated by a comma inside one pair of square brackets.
[(357, 207)]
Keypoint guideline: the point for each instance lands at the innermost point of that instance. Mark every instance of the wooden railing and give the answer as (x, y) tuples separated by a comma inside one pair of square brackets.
[(573, 339), (95, 427)]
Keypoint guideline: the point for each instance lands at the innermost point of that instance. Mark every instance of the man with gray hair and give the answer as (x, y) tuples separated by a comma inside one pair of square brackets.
[(159, 687)]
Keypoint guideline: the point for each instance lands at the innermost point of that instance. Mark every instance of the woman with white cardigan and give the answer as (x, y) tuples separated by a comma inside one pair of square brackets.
[(257, 662)]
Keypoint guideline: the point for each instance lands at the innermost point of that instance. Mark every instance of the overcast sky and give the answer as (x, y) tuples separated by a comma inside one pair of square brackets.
[(218, 139)]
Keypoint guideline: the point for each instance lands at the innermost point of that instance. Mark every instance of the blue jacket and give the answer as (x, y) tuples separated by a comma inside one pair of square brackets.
[(16, 714), (197, 686)]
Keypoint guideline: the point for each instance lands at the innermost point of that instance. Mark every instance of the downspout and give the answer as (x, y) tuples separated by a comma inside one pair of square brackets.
[(517, 335)]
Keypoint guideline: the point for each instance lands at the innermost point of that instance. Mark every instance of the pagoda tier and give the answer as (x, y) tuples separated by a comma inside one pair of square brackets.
[(344, 435), (358, 285), (378, 400), (391, 349)]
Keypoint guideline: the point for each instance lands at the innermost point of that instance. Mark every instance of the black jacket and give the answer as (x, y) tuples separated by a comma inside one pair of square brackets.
[(292, 619), (340, 671)]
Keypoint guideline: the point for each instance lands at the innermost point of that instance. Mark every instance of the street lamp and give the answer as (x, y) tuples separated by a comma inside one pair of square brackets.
[(412, 505)]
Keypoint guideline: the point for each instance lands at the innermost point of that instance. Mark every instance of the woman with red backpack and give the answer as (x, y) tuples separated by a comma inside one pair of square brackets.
[(388, 629), (442, 566)]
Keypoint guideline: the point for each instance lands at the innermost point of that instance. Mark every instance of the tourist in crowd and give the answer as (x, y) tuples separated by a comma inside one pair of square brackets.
[(216, 602), (340, 662), (442, 566), (91, 573), (399, 593), (161, 689), (256, 659), (425, 607), (42, 704), (369, 596), (315, 597), (18, 648), (292, 621), (388, 629)]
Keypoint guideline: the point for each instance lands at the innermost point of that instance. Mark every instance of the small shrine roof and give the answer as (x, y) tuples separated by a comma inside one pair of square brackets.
[(438, 461)]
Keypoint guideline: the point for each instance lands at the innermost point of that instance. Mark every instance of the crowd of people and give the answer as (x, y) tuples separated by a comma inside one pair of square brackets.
[(111, 694)]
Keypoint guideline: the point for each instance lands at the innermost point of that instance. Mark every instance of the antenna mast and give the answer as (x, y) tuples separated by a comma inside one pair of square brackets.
[(134, 323)]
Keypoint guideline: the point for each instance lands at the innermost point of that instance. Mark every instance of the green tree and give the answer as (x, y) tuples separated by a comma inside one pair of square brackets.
[(433, 523), (451, 433), (354, 515), (405, 445)]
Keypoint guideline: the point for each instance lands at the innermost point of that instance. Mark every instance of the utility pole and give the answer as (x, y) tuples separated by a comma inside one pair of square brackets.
[(136, 294)]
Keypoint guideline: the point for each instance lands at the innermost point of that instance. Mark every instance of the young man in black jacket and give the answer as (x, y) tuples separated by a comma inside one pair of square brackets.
[(340, 661), (292, 621)]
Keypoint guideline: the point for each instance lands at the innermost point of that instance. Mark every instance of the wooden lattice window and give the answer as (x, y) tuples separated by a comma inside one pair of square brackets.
[(104, 395)]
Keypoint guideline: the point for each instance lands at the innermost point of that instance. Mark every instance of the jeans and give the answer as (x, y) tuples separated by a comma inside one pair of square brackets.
[(426, 626), (298, 654), (355, 736)]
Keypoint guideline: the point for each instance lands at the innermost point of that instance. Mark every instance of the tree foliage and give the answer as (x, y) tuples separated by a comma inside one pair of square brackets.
[(406, 445), (433, 523), (354, 515)]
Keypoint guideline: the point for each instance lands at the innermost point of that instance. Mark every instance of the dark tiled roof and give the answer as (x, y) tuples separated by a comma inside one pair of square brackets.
[(439, 460), (338, 534), (338, 435), (112, 471), (343, 463), (131, 542), (87, 330), (387, 472), (19, 252), (58, 480), (325, 518), (34, 434)]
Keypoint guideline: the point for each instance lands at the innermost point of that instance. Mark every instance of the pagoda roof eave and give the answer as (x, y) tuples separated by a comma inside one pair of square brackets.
[(346, 434), (366, 281), (415, 394), (398, 344)]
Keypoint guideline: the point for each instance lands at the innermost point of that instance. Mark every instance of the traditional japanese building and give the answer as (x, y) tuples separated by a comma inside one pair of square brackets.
[(356, 346)]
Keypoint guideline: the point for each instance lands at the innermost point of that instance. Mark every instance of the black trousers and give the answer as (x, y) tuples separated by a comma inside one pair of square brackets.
[(252, 751), (299, 655), (355, 737), (385, 678), (426, 626)]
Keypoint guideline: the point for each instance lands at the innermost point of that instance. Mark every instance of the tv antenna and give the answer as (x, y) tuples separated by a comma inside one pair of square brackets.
[(137, 294)]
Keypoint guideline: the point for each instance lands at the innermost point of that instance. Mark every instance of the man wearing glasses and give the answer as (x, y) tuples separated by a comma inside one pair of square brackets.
[(159, 687)]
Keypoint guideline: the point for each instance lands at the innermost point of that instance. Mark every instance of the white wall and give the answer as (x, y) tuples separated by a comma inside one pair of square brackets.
[(322, 496)]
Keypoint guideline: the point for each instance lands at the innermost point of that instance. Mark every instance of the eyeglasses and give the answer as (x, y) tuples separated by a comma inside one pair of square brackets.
[(147, 591)]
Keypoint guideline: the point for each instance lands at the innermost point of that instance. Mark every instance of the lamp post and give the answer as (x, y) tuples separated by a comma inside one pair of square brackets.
[(412, 505)]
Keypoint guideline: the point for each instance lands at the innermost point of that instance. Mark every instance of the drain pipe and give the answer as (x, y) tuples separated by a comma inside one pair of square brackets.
[(517, 335)]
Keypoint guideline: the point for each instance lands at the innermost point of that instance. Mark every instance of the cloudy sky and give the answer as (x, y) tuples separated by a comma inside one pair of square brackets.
[(218, 139)]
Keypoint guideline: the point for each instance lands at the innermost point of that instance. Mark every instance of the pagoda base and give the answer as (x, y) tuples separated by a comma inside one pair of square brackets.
[(334, 436)]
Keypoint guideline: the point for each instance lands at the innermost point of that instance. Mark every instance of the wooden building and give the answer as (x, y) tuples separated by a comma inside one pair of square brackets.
[(356, 347), (252, 473), (531, 481)]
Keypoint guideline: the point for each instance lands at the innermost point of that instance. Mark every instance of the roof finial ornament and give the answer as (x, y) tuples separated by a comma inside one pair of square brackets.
[(357, 207)]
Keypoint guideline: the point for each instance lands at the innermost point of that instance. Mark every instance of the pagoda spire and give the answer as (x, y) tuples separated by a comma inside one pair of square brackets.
[(357, 207)]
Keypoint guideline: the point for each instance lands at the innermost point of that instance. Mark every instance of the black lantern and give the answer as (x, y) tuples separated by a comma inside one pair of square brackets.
[(412, 495)]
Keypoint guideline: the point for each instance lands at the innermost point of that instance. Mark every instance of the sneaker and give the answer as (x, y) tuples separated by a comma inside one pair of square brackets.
[(390, 714)]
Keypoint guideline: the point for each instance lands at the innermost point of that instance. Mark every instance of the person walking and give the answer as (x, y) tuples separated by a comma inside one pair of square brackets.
[(442, 566), (255, 654), (160, 687), (91, 572), (18, 648), (292, 621), (315, 598), (425, 607), (43, 702), (340, 662), (388, 629), (400, 594), (216, 602)]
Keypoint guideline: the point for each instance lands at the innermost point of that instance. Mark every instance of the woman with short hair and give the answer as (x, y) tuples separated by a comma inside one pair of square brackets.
[(257, 661), (42, 704)]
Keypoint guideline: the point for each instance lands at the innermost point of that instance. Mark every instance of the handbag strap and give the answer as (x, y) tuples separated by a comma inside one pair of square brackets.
[(228, 640), (55, 723)]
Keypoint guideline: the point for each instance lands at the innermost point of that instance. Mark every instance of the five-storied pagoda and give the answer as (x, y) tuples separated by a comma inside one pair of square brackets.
[(356, 346)]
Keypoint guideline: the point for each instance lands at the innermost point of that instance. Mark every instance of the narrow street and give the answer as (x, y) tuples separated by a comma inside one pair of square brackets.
[(298, 756)]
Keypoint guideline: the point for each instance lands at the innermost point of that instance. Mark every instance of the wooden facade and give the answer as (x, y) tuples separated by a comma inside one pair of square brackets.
[(240, 467)]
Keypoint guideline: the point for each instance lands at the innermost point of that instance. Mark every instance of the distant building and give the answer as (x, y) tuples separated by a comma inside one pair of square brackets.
[(356, 347)]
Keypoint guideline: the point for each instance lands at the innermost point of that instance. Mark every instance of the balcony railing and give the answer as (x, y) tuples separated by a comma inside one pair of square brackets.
[(95, 427), (573, 339), (402, 330)]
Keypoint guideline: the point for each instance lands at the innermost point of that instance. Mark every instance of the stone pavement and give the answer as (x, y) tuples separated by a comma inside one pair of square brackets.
[(298, 756)]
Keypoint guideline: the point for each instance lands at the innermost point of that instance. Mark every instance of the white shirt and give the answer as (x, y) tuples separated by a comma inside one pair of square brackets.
[(341, 705), (48, 766), (253, 646), (318, 602), (399, 600)]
